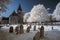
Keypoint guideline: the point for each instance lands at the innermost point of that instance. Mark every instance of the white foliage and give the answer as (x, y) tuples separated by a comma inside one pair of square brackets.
[(38, 14), (56, 13), (26, 16)]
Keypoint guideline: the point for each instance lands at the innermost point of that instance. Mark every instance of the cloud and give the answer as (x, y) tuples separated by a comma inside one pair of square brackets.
[(56, 13), (38, 14)]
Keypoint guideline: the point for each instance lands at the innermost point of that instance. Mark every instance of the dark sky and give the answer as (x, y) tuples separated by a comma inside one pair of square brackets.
[(28, 4)]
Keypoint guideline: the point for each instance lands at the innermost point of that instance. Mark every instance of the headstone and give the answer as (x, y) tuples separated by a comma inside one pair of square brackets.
[(28, 29), (52, 28), (17, 30), (42, 32), (11, 29), (34, 27), (37, 36), (21, 29)]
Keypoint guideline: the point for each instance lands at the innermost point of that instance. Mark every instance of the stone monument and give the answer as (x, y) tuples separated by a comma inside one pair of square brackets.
[(17, 30), (34, 27), (11, 29), (21, 29), (28, 29), (42, 32)]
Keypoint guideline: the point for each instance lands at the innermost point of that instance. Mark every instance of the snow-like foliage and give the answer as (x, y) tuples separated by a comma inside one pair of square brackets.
[(38, 14), (26, 16), (56, 13)]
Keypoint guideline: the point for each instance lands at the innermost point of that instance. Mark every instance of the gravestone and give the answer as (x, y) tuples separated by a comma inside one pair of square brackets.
[(34, 27), (37, 36), (52, 28), (21, 29), (11, 29), (28, 29), (42, 32), (17, 30)]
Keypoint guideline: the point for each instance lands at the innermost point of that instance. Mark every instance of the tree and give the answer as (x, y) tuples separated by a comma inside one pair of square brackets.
[(56, 13), (3, 5), (38, 14)]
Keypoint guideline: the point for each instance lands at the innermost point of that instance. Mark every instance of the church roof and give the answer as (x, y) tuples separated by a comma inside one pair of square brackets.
[(14, 14)]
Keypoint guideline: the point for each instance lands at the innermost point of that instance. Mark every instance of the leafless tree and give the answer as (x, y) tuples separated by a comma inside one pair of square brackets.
[(3, 5)]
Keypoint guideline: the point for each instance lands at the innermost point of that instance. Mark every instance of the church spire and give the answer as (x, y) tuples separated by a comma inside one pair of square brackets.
[(19, 8)]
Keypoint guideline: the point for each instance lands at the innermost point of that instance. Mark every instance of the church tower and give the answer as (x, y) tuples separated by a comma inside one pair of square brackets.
[(20, 14), (19, 8)]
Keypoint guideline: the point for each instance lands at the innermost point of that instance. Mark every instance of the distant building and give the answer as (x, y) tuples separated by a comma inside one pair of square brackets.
[(5, 20), (14, 18)]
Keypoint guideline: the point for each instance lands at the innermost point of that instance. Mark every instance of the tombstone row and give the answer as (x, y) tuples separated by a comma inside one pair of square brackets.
[(21, 30)]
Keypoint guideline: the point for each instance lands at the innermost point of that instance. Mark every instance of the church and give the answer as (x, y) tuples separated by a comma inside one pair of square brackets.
[(14, 18)]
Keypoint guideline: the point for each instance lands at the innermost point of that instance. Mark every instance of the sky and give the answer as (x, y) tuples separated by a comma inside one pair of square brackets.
[(27, 5)]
